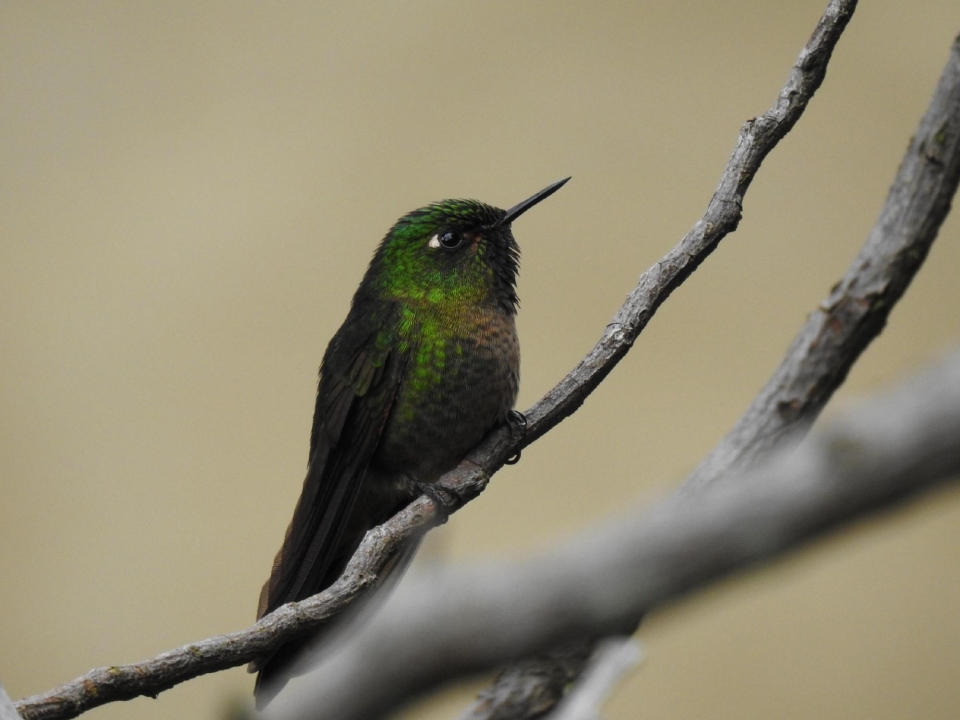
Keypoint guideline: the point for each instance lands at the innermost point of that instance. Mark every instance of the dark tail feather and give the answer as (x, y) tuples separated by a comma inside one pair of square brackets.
[(300, 656), (273, 677)]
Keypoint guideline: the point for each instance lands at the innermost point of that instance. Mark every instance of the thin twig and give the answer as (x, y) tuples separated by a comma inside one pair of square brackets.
[(757, 138), (462, 620)]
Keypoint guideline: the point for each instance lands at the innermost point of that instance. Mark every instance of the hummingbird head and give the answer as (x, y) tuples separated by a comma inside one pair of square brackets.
[(453, 252)]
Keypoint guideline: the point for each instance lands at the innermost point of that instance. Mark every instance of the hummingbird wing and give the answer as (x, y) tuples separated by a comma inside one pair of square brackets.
[(359, 378)]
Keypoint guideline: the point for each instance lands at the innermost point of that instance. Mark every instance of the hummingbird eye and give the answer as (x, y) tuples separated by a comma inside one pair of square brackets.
[(451, 239), (448, 240)]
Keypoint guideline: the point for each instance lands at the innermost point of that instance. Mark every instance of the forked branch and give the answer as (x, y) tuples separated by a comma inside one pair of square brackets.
[(462, 620)]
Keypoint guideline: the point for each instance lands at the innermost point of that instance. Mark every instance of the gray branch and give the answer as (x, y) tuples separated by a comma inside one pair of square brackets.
[(464, 620), (816, 364)]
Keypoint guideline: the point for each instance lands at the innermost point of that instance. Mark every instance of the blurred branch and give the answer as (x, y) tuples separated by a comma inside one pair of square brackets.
[(757, 138), (7, 710), (463, 620), (816, 364), (613, 658)]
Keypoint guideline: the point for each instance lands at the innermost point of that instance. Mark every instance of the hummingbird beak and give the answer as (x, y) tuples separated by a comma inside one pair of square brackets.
[(520, 208)]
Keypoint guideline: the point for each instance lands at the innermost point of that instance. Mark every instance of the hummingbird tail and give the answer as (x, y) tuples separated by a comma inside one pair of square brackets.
[(301, 656)]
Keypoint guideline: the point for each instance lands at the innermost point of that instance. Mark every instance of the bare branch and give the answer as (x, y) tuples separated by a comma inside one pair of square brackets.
[(818, 360), (757, 138), (466, 620)]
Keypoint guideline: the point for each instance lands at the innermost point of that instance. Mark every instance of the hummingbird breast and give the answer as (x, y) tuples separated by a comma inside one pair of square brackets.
[(461, 378)]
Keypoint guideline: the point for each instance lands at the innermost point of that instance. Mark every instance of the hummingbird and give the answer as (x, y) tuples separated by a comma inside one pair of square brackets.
[(425, 364)]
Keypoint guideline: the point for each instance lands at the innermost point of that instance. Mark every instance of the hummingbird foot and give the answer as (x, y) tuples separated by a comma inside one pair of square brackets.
[(517, 422), (518, 428), (444, 498)]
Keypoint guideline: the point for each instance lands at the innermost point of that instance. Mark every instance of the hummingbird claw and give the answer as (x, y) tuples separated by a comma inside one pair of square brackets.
[(517, 423)]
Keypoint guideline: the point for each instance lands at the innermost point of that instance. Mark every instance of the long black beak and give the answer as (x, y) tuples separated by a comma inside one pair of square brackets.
[(520, 208)]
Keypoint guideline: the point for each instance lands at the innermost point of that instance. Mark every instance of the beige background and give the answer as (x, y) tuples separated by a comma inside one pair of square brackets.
[(190, 192)]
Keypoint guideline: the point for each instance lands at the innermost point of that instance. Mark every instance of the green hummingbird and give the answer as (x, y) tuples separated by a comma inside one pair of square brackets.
[(426, 363)]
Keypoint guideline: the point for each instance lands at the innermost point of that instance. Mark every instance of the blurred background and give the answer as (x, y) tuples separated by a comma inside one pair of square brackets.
[(190, 193)]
